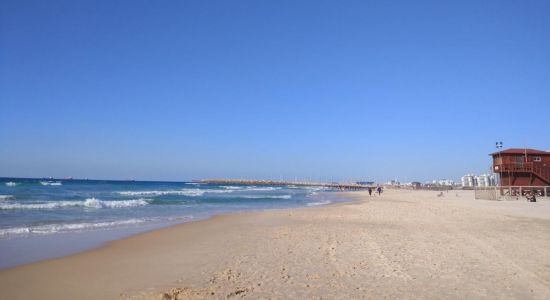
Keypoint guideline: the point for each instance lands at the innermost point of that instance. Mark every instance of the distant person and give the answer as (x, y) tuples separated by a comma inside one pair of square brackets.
[(370, 191), (379, 190), (531, 197)]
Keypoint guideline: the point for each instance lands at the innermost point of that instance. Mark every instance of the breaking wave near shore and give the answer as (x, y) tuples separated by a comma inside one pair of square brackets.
[(75, 227), (88, 203), (6, 197)]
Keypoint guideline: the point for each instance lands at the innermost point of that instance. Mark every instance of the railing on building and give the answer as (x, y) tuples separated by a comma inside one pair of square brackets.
[(527, 167), (512, 192)]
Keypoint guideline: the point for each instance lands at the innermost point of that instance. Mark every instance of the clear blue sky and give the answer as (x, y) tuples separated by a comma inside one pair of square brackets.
[(174, 90)]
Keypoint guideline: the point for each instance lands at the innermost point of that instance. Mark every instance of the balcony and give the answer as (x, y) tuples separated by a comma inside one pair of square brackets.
[(524, 167)]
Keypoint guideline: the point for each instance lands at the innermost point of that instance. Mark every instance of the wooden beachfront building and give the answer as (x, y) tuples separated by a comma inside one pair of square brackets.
[(522, 167)]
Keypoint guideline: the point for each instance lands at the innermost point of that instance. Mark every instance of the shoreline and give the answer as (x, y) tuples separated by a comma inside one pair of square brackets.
[(44, 265), (96, 239), (368, 247)]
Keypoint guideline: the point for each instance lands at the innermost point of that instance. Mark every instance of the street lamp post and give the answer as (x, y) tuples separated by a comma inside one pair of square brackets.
[(498, 145)]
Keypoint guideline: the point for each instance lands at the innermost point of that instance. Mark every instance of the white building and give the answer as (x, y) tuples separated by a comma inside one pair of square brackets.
[(468, 180), (445, 182), (393, 182), (486, 180), (441, 182)]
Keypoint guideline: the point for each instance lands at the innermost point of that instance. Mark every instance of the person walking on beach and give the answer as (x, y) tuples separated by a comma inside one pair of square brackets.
[(379, 190), (370, 191)]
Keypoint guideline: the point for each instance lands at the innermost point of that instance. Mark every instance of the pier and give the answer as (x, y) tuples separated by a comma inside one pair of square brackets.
[(334, 185)]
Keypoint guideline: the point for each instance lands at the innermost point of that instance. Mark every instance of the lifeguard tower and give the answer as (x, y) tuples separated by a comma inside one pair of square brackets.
[(523, 171)]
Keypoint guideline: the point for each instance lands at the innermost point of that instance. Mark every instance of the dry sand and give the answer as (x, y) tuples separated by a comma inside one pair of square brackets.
[(405, 244)]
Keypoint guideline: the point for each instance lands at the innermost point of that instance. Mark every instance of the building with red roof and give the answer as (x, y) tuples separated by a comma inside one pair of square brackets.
[(522, 167)]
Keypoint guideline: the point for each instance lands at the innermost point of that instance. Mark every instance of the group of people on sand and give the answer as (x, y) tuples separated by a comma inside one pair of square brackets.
[(378, 190)]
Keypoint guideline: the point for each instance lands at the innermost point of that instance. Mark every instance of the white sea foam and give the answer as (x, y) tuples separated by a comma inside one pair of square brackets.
[(268, 197), (183, 192), (199, 192), (193, 183), (14, 231), (48, 205), (54, 228), (316, 188), (262, 189), (11, 183), (89, 203), (6, 197), (56, 183), (68, 227), (232, 187), (252, 188), (318, 203), (218, 191), (96, 203)]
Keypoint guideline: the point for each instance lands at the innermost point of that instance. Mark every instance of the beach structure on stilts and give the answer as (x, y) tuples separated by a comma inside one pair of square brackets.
[(522, 173)]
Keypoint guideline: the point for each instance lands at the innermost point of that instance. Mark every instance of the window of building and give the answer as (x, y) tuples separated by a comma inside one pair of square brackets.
[(536, 158)]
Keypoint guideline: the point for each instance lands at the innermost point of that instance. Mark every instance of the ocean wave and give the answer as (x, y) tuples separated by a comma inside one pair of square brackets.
[(96, 203), (318, 203), (11, 183), (261, 188), (252, 188), (55, 228), (56, 183), (183, 192), (231, 187), (268, 197), (71, 227), (88, 203), (218, 191), (6, 197), (316, 188)]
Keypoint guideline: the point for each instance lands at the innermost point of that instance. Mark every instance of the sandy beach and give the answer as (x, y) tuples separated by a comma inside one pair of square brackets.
[(405, 244)]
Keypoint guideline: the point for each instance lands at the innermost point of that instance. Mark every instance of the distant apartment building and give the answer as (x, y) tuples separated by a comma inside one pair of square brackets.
[(393, 182), (446, 182), (484, 180), (468, 180), (441, 182), (415, 185)]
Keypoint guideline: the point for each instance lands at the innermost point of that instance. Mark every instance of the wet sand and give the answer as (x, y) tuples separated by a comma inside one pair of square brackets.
[(405, 244)]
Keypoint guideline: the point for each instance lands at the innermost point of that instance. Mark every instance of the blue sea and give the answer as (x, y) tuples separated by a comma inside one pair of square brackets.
[(65, 216)]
